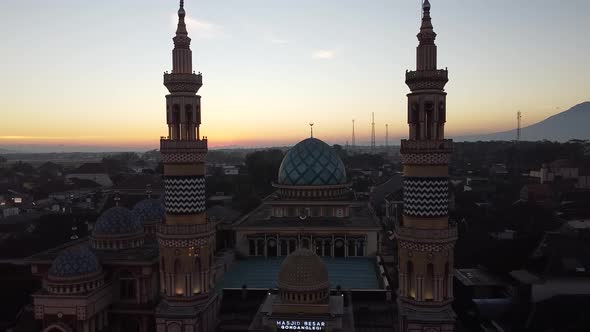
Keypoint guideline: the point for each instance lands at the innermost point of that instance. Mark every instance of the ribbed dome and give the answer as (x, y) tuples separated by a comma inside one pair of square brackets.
[(312, 163), (149, 211), (303, 271), (74, 262), (117, 221)]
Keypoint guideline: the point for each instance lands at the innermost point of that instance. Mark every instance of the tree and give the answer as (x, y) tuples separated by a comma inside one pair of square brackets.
[(263, 167)]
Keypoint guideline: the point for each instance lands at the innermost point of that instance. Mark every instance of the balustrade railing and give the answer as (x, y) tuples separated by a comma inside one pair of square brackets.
[(186, 229), (427, 234)]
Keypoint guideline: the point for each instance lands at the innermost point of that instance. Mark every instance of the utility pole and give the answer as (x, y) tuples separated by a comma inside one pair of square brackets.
[(353, 138), (373, 133), (518, 122)]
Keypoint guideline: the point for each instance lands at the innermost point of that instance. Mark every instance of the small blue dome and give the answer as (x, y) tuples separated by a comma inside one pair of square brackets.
[(312, 163), (74, 262), (117, 220), (150, 211)]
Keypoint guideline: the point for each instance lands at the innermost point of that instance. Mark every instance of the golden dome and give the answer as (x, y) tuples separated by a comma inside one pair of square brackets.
[(303, 278)]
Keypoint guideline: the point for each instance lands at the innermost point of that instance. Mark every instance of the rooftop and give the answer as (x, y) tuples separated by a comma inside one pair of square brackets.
[(476, 277), (259, 272), (148, 253), (360, 218)]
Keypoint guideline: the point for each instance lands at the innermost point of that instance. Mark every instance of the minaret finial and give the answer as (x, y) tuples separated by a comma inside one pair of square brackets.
[(181, 30), (311, 128)]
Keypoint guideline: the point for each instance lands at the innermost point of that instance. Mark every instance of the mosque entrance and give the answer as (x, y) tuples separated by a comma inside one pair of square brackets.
[(339, 248), (271, 249)]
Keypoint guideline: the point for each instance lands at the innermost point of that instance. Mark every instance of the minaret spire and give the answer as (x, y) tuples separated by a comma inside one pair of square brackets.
[(182, 56), (426, 53), (181, 29)]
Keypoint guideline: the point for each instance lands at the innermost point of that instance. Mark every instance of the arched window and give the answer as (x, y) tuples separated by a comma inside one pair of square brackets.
[(429, 283), (175, 121), (305, 243), (271, 248), (360, 248), (197, 276), (251, 247), (446, 290), (328, 248), (411, 281), (260, 247), (284, 247), (178, 278), (429, 119), (415, 120), (190, 133), (127, 286), (292, 245)]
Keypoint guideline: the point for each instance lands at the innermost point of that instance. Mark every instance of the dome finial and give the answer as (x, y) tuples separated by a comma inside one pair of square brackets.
[(311, 128)]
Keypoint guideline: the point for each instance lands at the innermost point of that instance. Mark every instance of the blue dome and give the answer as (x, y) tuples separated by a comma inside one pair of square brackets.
[(117, 220), (74, 262), (312, 163), (150, 211)]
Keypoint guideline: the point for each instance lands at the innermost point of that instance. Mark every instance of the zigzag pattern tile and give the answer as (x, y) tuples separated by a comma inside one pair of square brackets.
[(184, 195), (426, 197), (425, 158), (173, 158)]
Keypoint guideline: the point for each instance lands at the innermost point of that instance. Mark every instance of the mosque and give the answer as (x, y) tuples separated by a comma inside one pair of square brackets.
[(154, 267), (311, 208)]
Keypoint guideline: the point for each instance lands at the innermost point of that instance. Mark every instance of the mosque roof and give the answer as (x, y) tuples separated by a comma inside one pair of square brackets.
[(303, 271), (73, 262), (117, 221), (149, 211), (311, 163)]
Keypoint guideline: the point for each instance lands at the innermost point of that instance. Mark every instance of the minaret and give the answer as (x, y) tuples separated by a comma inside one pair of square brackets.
[(186, 238), (425, 237)]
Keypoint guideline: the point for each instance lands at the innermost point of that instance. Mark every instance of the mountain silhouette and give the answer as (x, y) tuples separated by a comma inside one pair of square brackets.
[(571, 124)]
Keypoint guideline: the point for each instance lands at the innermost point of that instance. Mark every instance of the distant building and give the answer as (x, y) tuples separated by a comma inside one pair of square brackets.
[(230, 170), (8, 210), (561, 170), (539, 194), (92, 171)]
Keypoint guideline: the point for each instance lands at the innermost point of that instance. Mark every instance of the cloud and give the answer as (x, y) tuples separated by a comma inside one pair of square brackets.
[(199, 29), (279, 41), (323, 54)]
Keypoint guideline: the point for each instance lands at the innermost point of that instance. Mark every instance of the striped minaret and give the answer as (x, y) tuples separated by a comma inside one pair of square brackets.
[(186, 237), (425, 237)]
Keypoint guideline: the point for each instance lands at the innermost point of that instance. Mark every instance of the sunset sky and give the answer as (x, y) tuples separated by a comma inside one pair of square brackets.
[(90, 72)]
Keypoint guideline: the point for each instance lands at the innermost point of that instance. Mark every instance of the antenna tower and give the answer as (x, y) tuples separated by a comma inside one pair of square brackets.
[(373, 133), (353, 137), (518, 122), (386, 135)]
